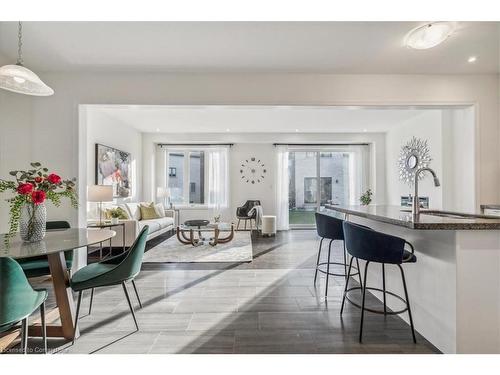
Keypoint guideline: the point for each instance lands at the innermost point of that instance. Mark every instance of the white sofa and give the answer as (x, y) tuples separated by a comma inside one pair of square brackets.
[(134, 225)]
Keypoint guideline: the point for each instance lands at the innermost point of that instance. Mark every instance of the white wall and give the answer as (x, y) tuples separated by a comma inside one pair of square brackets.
[(15, 142), (426, 126), (108, 131), (54, 120), (259, 145), (450, 136), (458, 161)]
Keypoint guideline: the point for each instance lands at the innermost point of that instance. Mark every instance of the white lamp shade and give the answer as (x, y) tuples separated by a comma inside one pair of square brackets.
[(162, 192), (17, 78), (100, 193)]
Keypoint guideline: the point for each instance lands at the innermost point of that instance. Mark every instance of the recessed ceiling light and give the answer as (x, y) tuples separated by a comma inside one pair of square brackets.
[(157, 129), (296, 130), (365, 130), (228, 130), (472, 59), (429, 35)]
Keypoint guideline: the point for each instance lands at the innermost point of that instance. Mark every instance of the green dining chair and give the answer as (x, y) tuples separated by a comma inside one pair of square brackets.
[(18, 300), (112, 271), (39, 266)]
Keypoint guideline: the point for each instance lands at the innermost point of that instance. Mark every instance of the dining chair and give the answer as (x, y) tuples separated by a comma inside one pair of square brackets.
[(39, 266), (18, 300), (112, 271)]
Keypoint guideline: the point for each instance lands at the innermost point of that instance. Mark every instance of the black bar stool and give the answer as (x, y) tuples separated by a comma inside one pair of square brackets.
[(372, 246), (330, 227)]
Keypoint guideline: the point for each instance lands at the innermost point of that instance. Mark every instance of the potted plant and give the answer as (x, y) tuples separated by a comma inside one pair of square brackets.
[(115, 214), (366, 198), (27, 208)]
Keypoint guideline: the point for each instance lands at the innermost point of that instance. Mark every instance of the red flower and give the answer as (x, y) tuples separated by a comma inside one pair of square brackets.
[(38, 196), (54, 179), (25, 189), (38, 179)]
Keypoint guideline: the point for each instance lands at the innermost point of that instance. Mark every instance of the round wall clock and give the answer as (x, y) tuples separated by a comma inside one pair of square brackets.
[(253, 170)]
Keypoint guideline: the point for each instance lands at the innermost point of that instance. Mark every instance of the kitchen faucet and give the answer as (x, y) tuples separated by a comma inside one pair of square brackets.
[(415, 209)]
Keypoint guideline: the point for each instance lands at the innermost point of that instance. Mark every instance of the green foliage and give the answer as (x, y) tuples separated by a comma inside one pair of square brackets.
[(366, 198)]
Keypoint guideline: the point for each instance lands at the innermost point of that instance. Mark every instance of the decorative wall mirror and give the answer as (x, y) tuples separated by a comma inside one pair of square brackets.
[(413, 155)]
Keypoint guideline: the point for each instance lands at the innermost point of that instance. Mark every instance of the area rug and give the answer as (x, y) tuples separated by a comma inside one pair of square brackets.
[(172, 251)]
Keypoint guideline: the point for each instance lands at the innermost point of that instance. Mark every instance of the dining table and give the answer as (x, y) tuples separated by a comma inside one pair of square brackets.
[(53, 245)]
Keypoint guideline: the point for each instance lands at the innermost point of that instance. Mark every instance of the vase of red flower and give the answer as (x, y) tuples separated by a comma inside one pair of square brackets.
[(27, 208), (32, 222)]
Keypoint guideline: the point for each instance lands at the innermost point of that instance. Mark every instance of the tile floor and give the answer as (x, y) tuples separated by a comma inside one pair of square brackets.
[(267, 306)]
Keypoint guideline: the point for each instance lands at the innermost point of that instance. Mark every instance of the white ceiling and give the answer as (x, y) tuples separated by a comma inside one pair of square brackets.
[(329, 47), (256, 119)]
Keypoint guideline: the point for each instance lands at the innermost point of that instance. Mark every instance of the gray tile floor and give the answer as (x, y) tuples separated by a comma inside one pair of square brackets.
[(267, 306)]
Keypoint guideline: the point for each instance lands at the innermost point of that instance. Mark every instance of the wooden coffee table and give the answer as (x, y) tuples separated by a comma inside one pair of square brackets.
[(192, 232)]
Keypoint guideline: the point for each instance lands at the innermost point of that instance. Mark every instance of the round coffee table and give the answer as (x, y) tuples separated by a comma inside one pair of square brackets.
[(186, 232)]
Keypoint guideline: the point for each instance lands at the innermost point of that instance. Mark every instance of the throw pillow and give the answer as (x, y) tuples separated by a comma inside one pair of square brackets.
[(160, 210), (122, 214), (148, 212)]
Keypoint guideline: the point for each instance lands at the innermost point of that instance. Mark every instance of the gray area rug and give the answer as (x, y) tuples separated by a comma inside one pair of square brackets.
[(172, 251)]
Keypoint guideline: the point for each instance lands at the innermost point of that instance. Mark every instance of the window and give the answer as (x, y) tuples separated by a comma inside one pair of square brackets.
[(198, 176), (335, 175)]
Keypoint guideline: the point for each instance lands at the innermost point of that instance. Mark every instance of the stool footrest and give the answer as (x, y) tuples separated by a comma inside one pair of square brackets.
[(337, 274), (374, 310)]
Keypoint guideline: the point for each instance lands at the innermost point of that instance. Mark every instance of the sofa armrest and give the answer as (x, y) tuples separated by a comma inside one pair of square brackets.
[(170, 213)]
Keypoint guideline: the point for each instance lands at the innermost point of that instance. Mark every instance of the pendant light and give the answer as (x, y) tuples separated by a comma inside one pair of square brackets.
[(17, 78)]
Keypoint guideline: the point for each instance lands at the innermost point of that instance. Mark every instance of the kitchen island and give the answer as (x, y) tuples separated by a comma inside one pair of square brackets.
[(454, 288)]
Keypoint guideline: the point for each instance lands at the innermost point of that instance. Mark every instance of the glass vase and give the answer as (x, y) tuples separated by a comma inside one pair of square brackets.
[(32, 222)]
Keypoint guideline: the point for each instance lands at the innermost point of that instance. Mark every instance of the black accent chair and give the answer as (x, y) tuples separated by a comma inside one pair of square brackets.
[(330, 227), (372, 246), (242, 213)]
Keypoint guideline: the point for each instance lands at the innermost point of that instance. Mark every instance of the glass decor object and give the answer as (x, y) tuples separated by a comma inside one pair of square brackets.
[(32, 222), (413, 155), (17, 78)]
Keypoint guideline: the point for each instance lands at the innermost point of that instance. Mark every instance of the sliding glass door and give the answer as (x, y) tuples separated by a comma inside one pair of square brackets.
[(323, 176)]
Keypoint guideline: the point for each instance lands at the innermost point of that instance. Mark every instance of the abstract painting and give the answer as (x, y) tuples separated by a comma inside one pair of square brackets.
[(113, 168)]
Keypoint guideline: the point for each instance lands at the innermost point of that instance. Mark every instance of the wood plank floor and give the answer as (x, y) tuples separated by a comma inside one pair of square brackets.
[(267, 306)]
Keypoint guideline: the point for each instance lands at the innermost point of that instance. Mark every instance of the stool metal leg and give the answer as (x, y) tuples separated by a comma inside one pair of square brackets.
[(383, 288), (363, 303), (408, 304), (44, 327), (317, 262), (346, 285), (345, 260), (359, 273), (328, 267)]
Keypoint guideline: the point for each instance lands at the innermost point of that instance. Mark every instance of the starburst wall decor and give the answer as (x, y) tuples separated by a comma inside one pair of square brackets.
[(413, 155)]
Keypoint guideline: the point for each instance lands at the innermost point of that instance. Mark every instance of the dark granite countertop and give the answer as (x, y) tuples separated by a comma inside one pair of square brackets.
[(400, 216), (490, 206)]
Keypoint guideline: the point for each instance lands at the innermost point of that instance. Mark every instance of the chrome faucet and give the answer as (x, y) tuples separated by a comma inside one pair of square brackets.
[(415, 209)]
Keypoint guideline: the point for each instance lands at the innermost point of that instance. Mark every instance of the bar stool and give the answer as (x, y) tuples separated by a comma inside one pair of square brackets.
[(372, 246), (330, 227)]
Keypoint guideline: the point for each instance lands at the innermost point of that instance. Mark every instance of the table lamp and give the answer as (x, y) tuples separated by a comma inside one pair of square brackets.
[(100, 193), (163, 193)]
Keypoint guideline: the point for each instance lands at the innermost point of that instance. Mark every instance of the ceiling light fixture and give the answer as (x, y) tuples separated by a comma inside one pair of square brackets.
[(17, 78), (472, 59), (429, 35), (296, 130), (227, 130)]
